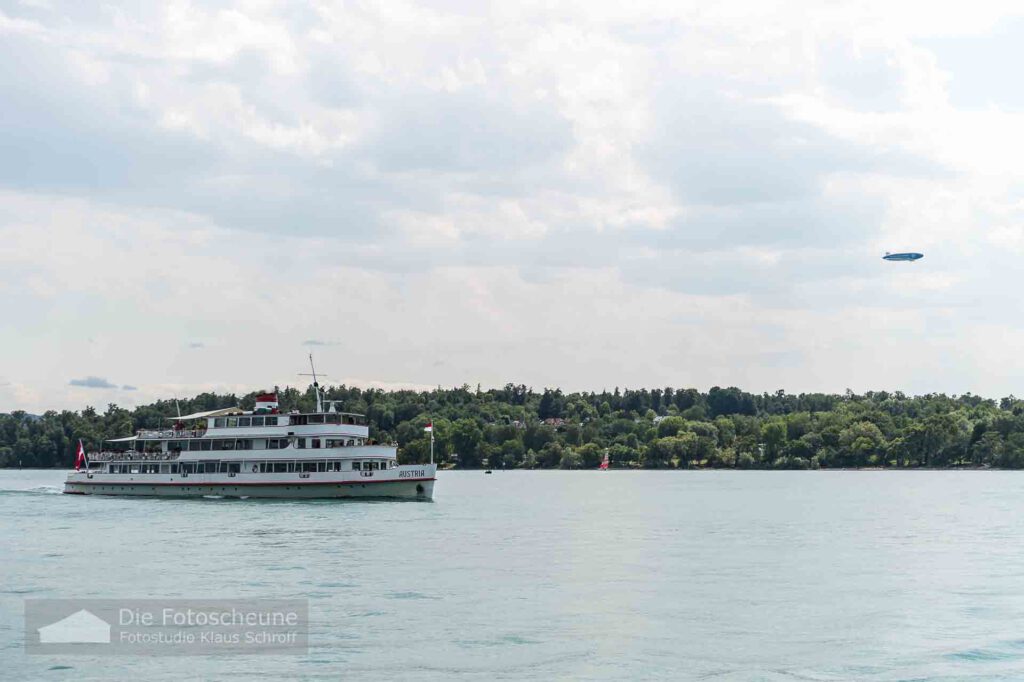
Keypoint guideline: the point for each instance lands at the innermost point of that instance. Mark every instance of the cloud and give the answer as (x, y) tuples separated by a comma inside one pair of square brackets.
[(467, 131), (92, 382), (126, 387), (613, 193)]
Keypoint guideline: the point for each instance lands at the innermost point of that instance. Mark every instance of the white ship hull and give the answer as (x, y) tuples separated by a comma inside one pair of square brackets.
[(407, 482)]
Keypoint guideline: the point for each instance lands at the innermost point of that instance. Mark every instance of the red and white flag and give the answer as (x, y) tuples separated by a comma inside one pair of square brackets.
[(429, 427), (80, 459), (604, 462)]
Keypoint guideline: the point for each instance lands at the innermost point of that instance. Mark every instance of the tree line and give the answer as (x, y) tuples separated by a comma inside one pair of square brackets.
[(518, 427)]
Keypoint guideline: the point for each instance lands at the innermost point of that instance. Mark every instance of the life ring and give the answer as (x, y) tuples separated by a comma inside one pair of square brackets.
[(255, 468)]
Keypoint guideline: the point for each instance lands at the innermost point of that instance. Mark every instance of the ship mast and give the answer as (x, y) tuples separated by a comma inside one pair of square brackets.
[(316, 385)]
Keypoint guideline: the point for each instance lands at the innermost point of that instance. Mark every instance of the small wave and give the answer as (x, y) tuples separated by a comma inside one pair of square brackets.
[(38, 490), (517, 639), (410, 595), (21, 590), (984, 655)]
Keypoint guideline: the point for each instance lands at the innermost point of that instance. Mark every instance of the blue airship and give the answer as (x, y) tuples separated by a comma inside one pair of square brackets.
[(903, 256)]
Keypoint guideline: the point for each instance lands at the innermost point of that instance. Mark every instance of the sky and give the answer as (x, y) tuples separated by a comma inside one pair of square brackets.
[(585, 195)]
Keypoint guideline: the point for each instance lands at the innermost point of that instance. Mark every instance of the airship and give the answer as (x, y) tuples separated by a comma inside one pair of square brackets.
[(903, 256)]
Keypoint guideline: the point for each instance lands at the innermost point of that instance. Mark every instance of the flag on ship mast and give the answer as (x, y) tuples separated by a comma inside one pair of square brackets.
[(80, 457), (429, 427)]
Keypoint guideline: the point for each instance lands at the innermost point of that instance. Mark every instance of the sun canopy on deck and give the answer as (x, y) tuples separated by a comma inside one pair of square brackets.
[(127, 439), (203, 415)]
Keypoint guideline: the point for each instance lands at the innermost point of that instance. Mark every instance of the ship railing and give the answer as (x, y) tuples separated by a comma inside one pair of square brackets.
[(131, 456), (172, 434)]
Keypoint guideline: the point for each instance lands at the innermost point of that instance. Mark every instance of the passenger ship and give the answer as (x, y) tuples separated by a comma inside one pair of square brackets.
[(262, 453)]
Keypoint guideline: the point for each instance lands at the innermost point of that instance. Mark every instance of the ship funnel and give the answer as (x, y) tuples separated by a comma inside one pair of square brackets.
[(266, 403)]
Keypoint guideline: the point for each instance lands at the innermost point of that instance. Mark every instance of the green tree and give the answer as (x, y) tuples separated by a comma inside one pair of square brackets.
[(466, 438), (773, 433)]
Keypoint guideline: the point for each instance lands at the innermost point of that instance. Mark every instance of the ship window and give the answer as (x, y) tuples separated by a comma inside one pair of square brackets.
[(257, 421), (244, 421), (272, 444), (245, 444), (291, 467), (356, 466), (300, 443), (174, 468), (334, 418), (316, 442), (232, 422), (280, 467), (219, 423), (321, 466), (316, 419), (226, 445)]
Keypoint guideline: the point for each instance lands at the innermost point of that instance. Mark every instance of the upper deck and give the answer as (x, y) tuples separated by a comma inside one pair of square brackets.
[(247, 424)]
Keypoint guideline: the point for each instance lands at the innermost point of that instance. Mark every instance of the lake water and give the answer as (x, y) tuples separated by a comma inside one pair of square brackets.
[(851, 575)]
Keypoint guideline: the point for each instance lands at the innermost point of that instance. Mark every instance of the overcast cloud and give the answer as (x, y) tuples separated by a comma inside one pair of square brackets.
[(580, 194)]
